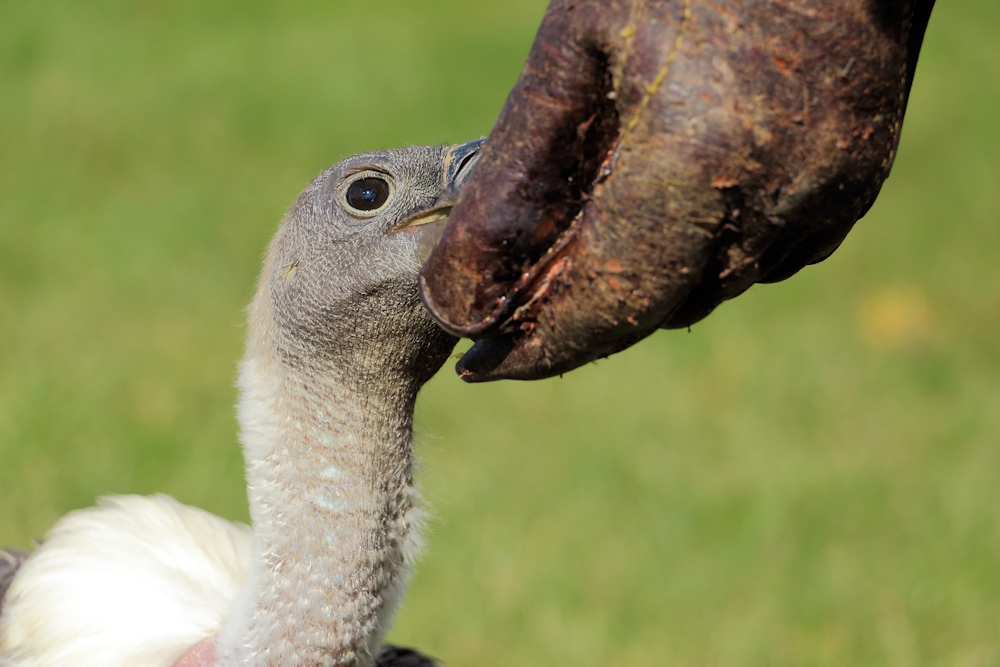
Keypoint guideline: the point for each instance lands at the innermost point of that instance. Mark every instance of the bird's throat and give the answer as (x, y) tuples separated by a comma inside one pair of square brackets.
[(330, 483)]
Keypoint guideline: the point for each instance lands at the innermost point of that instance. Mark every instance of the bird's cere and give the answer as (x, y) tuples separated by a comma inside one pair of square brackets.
[(459, 162), (427, 217)]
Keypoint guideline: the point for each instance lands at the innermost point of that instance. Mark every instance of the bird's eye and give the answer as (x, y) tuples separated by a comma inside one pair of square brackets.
[(368, 194)]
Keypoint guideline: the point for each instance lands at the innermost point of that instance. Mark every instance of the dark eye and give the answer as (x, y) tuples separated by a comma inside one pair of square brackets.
[(367, 194)]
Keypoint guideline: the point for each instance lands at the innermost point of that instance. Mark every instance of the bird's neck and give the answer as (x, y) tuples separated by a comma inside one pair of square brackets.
[(330, 483)]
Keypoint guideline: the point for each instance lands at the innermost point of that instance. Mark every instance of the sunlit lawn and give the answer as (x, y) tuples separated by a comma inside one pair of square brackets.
[(809, 477)]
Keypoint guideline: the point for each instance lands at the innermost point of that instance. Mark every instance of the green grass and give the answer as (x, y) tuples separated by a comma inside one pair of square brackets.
[(809, 477)]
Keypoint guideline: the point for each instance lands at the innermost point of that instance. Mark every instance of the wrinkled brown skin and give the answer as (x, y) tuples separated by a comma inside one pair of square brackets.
[(659, 157)]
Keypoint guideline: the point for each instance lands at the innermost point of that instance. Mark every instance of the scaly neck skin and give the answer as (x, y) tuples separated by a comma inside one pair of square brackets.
[(330, 483)]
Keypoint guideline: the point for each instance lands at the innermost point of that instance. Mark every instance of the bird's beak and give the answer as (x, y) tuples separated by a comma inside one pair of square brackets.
[(458, 164)]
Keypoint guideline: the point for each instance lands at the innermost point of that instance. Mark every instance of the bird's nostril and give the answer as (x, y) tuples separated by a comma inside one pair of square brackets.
[(461, 161), (467, 164)]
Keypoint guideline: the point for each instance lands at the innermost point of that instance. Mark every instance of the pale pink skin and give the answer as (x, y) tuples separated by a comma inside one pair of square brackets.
[(202, 655)]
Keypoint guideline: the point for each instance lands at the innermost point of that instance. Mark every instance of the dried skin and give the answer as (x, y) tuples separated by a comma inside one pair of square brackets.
[(657, 158)]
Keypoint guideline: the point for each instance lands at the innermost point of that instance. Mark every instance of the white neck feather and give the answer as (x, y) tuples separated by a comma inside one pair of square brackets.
[(329, 473)]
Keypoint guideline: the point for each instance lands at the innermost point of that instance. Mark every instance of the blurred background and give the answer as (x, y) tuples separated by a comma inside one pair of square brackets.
[(809, 477)]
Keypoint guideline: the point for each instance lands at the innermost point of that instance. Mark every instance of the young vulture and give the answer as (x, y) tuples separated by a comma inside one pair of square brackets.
[(338, 347)]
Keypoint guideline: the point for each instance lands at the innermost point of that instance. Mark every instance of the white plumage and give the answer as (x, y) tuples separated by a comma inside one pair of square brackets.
[(134, 582)]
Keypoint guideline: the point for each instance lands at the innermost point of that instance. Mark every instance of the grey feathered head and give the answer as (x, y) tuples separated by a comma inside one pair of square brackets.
[(342, 270)]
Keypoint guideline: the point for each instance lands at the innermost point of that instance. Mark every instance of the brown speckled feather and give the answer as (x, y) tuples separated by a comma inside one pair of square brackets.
[(395, 656), (10, 561)]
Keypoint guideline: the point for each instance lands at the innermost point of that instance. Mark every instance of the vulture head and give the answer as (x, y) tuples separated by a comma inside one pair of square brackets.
[(342, 270)]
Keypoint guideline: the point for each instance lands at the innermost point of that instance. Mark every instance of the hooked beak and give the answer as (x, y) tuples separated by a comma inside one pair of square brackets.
[(459, 162)]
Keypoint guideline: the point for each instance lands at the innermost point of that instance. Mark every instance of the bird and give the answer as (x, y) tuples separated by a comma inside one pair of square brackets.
[(338, 346)]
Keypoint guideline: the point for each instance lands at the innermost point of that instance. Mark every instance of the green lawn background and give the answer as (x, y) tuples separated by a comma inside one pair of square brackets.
[(809, 477)]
